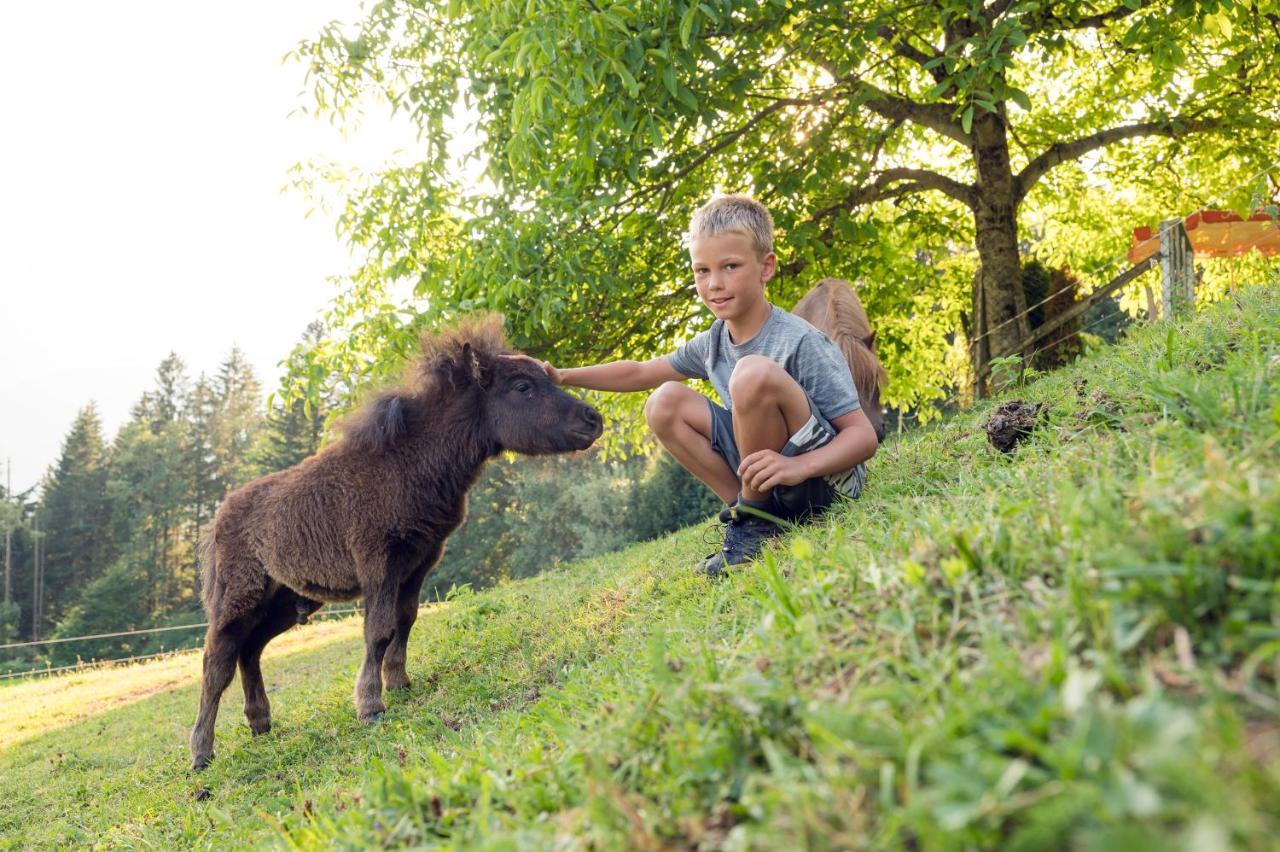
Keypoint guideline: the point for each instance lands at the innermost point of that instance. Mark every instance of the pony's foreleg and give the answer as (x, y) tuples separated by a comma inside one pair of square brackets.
[(221, 648), (380, 596), (393, 670)]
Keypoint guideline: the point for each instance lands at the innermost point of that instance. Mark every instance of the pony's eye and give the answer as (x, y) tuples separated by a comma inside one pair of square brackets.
[(522, 386)]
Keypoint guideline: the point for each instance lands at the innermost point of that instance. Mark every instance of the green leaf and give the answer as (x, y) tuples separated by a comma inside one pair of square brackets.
[(1020, 98), (633, 88), (966, 120), (616, 22), (938, 90), (669, 80), (686, 25)]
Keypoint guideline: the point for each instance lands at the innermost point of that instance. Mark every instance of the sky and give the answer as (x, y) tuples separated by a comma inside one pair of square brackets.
[(144, 147)]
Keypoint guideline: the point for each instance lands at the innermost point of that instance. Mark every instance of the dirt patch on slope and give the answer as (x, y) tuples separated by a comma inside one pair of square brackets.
[(1012, 422)]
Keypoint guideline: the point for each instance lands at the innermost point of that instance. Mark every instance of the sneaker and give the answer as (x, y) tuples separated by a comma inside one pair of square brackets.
[(744, 538)]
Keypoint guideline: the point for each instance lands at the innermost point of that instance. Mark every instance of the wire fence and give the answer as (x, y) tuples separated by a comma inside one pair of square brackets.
[(1116, 261), (1111, 263), (99, 663)]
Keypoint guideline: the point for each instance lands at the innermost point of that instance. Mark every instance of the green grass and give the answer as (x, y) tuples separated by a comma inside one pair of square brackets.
[(1075, 646)]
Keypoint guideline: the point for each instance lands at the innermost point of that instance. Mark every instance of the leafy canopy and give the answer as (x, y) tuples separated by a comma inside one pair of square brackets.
[(600, 125)]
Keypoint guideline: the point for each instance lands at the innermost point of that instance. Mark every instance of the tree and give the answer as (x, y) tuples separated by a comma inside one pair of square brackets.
[(238, 426), (882, 136), (296, 421), (76, 514), (11, 534), (152, 493), (201, 462)]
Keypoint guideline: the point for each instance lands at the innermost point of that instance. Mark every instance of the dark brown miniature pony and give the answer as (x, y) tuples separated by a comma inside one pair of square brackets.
[(367, 516), (833, 308)]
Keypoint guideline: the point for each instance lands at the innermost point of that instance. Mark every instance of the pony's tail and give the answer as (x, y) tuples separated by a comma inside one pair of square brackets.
[(211, 590)]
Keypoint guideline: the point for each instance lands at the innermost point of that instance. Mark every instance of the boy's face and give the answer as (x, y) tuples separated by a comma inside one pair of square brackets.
[(729, 275)]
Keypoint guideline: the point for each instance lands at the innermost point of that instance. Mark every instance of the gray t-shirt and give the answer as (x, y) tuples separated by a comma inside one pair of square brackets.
[(805, 353)]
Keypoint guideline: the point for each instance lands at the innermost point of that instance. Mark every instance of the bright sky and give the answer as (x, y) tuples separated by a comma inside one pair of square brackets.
[(143, 148)]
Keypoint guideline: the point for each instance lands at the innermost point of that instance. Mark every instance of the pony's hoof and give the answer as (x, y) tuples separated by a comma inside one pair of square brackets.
[(201, 761), (260, 727), (372, 717), (396, 683)]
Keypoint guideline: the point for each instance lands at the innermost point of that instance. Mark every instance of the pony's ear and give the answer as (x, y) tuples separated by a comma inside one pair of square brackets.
[(870, 339), (474, 368)]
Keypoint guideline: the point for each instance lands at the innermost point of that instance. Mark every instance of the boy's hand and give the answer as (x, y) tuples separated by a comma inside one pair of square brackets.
[(552, 373), (765, 469)]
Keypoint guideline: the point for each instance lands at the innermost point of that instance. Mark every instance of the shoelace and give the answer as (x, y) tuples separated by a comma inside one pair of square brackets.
[(713, 533)]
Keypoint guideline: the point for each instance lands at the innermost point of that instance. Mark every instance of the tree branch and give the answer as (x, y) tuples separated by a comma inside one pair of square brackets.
[(936, 117), (905, 49), (888, 184), (1061, 152), (995, 10), (923, 179), (1088, 22)]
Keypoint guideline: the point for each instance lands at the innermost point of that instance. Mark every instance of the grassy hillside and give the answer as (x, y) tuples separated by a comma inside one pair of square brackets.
[(1072, 646)]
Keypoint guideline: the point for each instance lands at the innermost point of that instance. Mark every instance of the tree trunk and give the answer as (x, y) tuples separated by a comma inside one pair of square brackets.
[(995, 216)]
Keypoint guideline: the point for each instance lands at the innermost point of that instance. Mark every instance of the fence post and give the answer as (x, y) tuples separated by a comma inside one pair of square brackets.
[(981, 347), (1177, 269)]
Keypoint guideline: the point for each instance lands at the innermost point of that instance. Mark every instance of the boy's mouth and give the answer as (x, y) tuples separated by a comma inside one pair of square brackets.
[(719, 302)]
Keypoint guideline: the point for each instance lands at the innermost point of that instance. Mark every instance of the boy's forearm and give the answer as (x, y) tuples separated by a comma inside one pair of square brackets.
[(849, 447), (618, 376)]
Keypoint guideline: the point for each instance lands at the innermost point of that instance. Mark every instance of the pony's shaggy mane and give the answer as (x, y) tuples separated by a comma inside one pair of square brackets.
[(451, 358), (444, 351), (483, 331)]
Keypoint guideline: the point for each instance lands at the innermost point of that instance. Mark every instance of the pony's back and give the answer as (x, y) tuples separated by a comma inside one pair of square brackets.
[(833, 308)]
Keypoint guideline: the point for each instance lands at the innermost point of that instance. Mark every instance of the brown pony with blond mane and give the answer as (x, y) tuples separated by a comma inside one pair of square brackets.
[(833, 308)]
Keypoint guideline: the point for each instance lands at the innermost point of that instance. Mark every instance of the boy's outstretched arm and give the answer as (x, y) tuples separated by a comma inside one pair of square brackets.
[(855, 442), (617, 375)]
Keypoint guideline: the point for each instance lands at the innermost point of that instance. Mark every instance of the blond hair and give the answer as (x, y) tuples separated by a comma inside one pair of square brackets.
[(734, 214)]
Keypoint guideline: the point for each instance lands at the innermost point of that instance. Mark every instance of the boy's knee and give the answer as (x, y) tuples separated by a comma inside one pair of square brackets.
[(662, 409), (755, 375)]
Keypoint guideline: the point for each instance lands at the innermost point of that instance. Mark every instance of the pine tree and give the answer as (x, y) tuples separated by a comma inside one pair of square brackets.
[(151, 495), (201, 464), (238, 430), (294, 430), (14, 534), (164, 404), (77, 514)]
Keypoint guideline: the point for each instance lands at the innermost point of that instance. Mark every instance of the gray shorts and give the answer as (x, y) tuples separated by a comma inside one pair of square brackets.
[(814, 495)]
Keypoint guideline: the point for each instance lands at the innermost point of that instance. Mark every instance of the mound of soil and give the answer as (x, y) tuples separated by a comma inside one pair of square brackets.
[(1012, 422)]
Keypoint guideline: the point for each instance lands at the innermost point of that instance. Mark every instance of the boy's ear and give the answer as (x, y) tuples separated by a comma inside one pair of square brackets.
[(768, 266)]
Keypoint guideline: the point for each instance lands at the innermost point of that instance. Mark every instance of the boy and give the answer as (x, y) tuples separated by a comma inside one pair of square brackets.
[(791, 436)]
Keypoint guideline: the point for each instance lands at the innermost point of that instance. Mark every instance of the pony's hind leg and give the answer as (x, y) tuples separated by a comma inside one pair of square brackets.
[(283, 610), (221, 648)]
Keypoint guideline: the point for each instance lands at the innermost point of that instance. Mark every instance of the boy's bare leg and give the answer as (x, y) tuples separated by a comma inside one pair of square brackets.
[(768, 408), (681, 420)]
